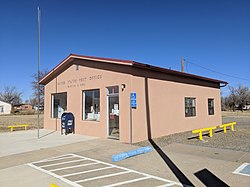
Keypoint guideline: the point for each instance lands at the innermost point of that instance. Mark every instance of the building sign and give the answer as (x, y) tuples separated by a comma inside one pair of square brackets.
[(133, 100), (79, 82)]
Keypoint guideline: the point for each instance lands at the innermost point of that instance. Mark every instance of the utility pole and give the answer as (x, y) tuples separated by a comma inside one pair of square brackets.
[(182, 64), (38, 74)]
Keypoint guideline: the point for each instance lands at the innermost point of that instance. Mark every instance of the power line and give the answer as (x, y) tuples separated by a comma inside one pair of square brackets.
[(232, 76)]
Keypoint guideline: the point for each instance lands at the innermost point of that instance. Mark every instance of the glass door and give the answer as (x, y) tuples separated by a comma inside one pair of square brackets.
[(113, 112)]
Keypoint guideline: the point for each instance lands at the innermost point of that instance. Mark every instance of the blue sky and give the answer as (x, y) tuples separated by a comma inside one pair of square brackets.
[(214, 34)]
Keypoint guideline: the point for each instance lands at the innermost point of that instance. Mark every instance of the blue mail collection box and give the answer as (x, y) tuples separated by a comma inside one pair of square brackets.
[(67, 123)]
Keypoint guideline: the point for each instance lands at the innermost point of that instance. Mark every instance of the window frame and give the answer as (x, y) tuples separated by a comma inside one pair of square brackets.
[(210, 107), (190, 108), (53, 103), (83, 105)]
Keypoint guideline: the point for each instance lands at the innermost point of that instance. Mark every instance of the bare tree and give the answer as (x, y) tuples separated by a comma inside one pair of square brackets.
[(33, 101), (35, 88), (243, 95), (224, 103), (11, 95), (232, 98), (239, 97)]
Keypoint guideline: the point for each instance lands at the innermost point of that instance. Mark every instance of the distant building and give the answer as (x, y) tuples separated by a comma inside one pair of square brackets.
[(246, 107), (5, 108), (41, 107), (22, 107)]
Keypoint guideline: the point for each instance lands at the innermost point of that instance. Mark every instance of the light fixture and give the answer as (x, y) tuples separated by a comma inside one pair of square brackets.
[(123, 86)]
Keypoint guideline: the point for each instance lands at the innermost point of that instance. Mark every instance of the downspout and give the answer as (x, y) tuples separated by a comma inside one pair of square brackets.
[(224, 84)]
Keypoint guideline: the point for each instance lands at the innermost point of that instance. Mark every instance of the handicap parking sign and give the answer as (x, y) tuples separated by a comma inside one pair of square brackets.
[(133, 100), (133, 96)]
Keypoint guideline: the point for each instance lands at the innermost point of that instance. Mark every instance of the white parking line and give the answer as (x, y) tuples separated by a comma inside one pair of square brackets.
[(88, 171), (55, 175), (55, 159), (72, 161), (119, 167), (102, 176), (148, 175), (69, 167), (94, 162), (61, 156)]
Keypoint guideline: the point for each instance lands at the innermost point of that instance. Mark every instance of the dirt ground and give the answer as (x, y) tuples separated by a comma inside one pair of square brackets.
[(7, 120), (238, 140)]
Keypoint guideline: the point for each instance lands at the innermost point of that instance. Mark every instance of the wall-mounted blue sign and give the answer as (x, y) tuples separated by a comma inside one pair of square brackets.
[(133, 100)]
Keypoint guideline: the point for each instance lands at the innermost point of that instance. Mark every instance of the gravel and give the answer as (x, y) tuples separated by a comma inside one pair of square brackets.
[(238, 140)]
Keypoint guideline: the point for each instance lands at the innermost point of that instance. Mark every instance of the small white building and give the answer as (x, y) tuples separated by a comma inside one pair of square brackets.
[(5, 108), (246, 107)]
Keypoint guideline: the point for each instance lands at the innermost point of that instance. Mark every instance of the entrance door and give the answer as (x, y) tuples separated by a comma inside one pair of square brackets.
[(113, 112)]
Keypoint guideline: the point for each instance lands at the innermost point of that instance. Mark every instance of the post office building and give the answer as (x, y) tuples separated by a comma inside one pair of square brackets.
[(127, 100)]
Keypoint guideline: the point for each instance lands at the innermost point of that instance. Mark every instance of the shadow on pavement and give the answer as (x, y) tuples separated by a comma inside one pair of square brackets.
[(209, 179), (177, 172)]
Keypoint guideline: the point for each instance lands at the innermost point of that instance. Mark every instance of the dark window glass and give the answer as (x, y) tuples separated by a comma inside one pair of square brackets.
[(91, 105), (210, 106), (113, 90), (58, 104), (190, 109)]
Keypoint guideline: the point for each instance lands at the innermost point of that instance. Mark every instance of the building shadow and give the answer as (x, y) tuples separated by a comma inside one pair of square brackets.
[(209, 179), (176, 171), (197, 136), (220, 130)]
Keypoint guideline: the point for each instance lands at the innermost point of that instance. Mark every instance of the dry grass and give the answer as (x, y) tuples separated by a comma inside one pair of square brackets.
[(236, 113), (7, 120)]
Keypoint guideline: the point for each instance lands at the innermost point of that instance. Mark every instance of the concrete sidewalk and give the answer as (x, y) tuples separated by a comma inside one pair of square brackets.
[(24, 141), (188, 159)]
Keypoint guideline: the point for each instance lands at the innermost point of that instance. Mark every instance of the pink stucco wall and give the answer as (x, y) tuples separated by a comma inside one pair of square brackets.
[(160, 100), (162, 111), (74, 82)]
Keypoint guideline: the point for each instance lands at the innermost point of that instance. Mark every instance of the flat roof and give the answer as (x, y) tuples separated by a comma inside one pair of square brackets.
[(132, 63)]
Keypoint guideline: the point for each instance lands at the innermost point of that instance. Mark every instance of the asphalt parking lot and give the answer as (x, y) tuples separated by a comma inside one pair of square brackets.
[(86, 161), (77, 170)]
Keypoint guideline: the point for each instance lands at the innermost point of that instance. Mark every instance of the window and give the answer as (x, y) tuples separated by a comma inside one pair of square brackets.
[(190, 107), (210, 106), (113, 90), (1, 109), (58, 104), (91, 105)]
